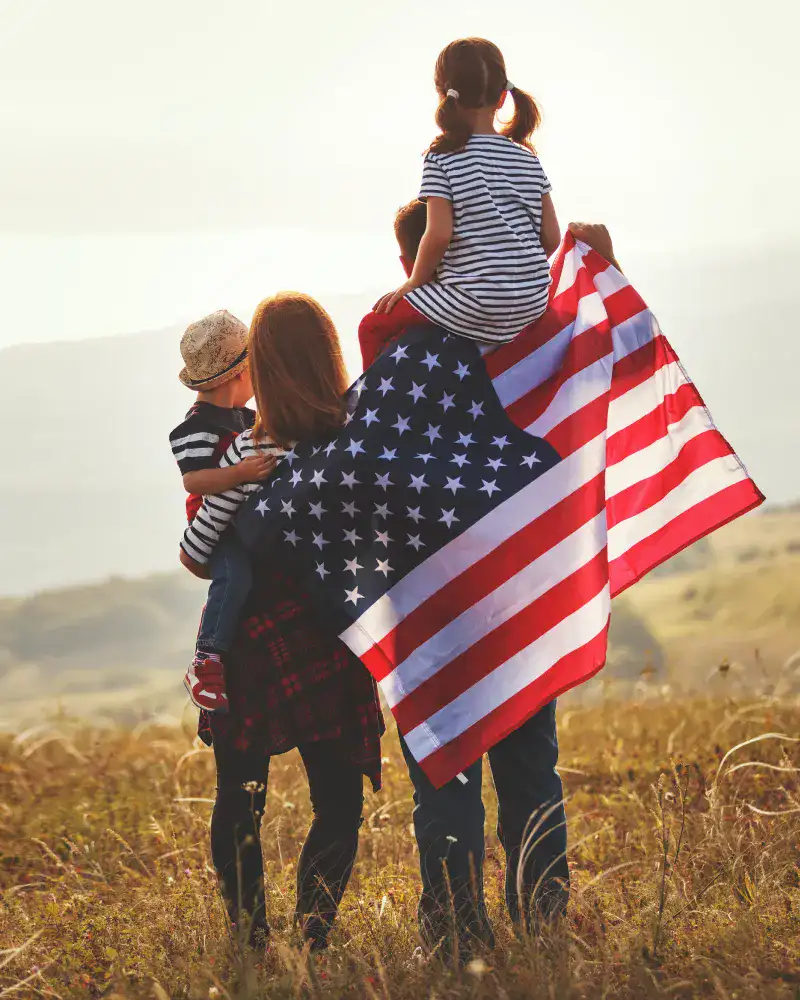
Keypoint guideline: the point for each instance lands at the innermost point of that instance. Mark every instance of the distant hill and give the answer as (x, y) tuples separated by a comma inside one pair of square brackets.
[(119, 648)]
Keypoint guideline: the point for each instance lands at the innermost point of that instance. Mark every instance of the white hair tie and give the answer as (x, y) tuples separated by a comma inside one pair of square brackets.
[(510, 86), (454, 94)]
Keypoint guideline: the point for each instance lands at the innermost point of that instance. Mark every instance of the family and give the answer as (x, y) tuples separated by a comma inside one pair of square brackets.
[(267, 675)]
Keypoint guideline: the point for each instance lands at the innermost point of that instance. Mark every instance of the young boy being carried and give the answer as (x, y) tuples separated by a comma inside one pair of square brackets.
[(214, 352)]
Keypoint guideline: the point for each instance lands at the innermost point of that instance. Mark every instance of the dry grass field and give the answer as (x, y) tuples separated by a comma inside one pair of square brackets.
[(685, 858)]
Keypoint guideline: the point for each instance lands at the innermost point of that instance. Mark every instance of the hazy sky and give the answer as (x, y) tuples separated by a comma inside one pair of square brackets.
[(168, 157)]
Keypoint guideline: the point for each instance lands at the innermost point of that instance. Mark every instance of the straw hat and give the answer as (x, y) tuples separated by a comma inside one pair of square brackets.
[(214, 350)]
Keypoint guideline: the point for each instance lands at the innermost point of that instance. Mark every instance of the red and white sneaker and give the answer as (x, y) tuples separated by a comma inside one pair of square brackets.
[(205, 682)]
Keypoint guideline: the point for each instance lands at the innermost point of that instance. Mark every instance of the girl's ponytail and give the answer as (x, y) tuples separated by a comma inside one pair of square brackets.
[(526, 119), (455, 129)]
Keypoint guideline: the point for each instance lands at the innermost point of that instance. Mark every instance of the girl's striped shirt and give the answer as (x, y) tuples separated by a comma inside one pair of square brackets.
[(217, 512), (494, 278)]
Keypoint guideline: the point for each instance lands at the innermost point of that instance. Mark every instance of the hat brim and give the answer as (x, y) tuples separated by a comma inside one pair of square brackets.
[(212, 383)]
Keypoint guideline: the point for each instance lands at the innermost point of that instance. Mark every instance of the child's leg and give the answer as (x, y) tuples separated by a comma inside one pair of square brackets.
[(231, 580)]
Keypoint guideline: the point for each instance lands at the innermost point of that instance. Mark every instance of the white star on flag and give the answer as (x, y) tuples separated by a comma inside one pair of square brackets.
[(389, 454), (355, 447), (489, 488), (403, 424), (350, 509), (330, 448), (460, 460), (322, 571), (382, 510), (465, 440), (383, 481), (319, 541), (371, 417), (351, 536), (288, 507), (530, 460), (317, 510), (400, 354), (382, 537), (383, 567), (353, 595), (454, 485), (385, 386), (495, 463), (476, 410), (297, 477), (417, 391), (448, 517), (447, 402), (500, 442), (418, 483), (352, 565), (432, 433), (425, 457), (414, 514), (291, 536), (415, 542), (431, 360), (349, 479), (462, 371), (317, 479), (262, 507)]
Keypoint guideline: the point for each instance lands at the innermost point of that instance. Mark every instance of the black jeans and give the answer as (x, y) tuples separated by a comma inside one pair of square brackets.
[(328, 854), (449, 827)]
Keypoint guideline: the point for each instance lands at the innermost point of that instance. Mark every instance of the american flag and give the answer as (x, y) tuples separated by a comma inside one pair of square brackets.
[(466, 530)]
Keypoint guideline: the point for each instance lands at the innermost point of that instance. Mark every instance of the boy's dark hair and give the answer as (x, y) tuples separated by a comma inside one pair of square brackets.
[(476, 70), (409, 227)]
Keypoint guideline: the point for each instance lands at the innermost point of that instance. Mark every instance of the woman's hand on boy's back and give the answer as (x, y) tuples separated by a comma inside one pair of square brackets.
[(255, 467)]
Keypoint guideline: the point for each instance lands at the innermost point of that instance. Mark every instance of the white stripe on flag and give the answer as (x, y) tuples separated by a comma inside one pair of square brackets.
[(699, 485), (514, 594), (510, 678), (578, 391), (657, 456), (645, 397), (476, 542)]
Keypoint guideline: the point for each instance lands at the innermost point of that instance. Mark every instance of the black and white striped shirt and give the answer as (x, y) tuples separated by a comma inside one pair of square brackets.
[(198, 439), (494, 278), (217, 512)]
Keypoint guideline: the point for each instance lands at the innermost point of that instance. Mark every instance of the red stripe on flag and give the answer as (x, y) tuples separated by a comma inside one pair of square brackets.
[(583, 351), (485, 576), (683, 530), (503, 642), (571, 670), (653, 425), (639, 496), (638, 366), (580, 427), (623, 304)]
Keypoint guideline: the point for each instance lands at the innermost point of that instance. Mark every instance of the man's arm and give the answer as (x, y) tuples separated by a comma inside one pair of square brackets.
[(595, 235)]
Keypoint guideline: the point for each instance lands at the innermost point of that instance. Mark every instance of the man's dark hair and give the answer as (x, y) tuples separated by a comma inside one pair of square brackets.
[(409, 227)]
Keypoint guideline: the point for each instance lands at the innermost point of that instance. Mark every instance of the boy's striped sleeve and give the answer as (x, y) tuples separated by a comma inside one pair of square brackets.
[(193, 444), (217, 512)]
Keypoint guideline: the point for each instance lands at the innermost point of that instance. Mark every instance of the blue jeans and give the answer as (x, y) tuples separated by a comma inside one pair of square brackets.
[(231, 580), (449, 827)]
